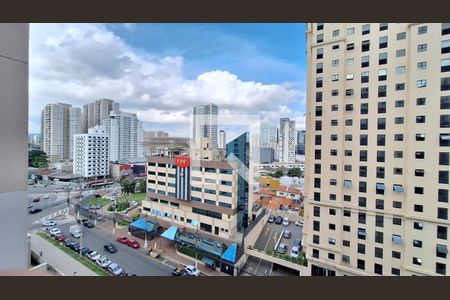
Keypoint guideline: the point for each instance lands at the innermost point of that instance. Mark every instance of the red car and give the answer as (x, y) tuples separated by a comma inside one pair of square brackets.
[(123, 240), (133, 244), (60, 238)]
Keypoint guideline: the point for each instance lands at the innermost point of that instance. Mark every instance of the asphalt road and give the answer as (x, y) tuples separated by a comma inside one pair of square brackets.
[(131, 260)]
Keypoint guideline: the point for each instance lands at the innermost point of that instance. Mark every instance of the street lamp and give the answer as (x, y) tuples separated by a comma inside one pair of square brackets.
[(145, 232)]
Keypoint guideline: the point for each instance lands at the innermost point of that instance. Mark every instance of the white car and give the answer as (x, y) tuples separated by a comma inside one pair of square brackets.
[(294, 252), (104, 262), (49, 223), (29, 205), (286, 221), (55, 231), (46, 197), (299, 223), (133, 203), (115, 269), (192, 271), (94, 256)]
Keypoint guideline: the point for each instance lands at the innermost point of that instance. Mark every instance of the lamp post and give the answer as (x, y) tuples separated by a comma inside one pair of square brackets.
[(145, 232)]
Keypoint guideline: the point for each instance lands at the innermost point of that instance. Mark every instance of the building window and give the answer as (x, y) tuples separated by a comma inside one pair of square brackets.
[(335, 48), (319, 68), (400, 70), (445, 28), (396, 255), (420, 119), (382, 74), (361, 248), (320, 38), (319, 82), (399, 120), (399, 86), (422, 48), (361, 264), (319, 54), (400, 53), (336, 33), (417, 261), (443, 195), (378, 252), (379, 237), (383, 42), (421, 83), (379, 204), (351, 31), (445, 102), (401, 36), (445, 121), (364, 77), (421, 101), (378, 269), (417, 243), (365, 29), (383, 26), (445, 46), (334, 77), (418, 208), (319, 26), (382, 91), (365, 46), (364, 93), (442, 213), (422, 29), (382, 58), (335, 63), (350, 61), (441, 269), (422, 65)]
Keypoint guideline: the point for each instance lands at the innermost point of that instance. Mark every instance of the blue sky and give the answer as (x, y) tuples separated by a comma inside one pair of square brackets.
[(160, 71)]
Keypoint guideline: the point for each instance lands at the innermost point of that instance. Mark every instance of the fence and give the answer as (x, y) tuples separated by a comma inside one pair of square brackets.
[(254, 222)]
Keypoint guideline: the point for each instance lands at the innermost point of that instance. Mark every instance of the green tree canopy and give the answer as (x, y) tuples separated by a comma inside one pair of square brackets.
[(294, 172), (37, 159)]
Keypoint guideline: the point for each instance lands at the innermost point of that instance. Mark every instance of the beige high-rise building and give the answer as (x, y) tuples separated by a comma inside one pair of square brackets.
[(95, 113), (377, 149)]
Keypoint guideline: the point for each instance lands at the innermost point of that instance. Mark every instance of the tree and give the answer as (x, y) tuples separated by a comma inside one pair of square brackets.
[(278, 173), (128, 185), (37, 159), (142, 185), (295, 172)]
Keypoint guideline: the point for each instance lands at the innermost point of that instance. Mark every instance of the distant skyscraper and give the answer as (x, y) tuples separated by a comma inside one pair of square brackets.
[(95, 113), (59, 122), (240, 148), (76, 126), (222, 140), (125, 135), (268, 135), (301, 134), (90, 158), (155, 134), (287, 141), (205, 122)]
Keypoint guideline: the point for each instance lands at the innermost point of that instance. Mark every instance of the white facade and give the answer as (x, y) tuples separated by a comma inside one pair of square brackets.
[(222, 144), (90, 156), (205, 122), (125, 135), (287, 143), (75, 126)]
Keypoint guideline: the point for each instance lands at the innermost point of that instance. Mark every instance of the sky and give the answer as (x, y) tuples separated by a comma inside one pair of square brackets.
[(160, 71)]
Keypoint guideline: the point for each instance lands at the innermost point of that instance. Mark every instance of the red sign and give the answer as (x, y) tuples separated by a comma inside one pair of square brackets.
[(182, 161)]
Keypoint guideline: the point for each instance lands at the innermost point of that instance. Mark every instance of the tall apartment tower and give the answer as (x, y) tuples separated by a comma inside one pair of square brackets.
[(301, 135), (76, 126), (377, 149), (14, 249), (222, 143), (58, 121), (95, 113), (90, 157), (205, 122), (287, 141), (268, 135), (125, 135)]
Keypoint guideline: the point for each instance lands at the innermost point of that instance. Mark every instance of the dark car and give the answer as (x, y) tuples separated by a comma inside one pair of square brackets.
[(75, 246), (278, 220), (69, 242), (89, 224), (110, 248), (85, 251), (35, 211), (36, 199), (82, 221), (179, 271), (271, 219)]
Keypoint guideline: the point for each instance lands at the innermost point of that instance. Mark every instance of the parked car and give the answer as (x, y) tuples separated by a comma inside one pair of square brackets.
[(60, 238), (46, 197), (271, 219), (89, 224), (69, 242), (299, 223), (115, 269), (75, 246), (295, 251), (133, 244), (49, 223), (192, 271), (29, 205), (110, 248), (82, 221), (297, 242), (35, 211), (104, 262), (179, 271), (282, 248), (94, 256), (278, 220), (36, 199), (286, 221), (122, 239), (85, 250), (287, 234), (134, 203), (55, 231)]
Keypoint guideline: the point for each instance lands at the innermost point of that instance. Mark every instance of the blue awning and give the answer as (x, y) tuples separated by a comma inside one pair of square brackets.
[(143, 224), (380, 186), (230, 254), (170, 233)]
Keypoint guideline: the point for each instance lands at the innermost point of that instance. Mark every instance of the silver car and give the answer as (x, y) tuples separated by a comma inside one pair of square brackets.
[(282, 248)]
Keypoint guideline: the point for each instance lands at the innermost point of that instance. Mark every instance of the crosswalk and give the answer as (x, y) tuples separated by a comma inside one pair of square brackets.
[(62, 212)]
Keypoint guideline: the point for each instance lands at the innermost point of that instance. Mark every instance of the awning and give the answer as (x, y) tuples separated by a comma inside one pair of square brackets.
[(397, 239), (230, 254), (170, 233), (442, 248), (143, 224), (348, 183), (398, 188), (209, 262), (380, 186)]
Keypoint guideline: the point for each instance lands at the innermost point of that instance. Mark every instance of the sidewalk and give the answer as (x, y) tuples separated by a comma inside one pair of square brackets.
[(169, 255), (58, 259)]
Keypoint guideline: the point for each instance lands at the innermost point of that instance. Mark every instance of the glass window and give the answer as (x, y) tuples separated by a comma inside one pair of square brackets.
[(351, 31), (421, 65), (350, 61), (445, 65), (366, 29), (422, 48), (400, 53), (400, 70), (335, 62), (336, 33), (401, 36), (422, 29)]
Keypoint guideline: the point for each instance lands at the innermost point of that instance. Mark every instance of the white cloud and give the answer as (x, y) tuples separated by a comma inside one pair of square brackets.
[(78, 63)]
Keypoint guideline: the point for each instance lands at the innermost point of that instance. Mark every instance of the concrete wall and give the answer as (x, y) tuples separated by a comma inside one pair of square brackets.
[(13, 146)]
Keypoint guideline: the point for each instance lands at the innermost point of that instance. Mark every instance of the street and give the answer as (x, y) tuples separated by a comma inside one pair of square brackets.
[(131, 260)]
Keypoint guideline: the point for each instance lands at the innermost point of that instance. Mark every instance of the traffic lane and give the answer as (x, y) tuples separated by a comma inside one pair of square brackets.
[(45, 212), (268, 237), (131, 260)]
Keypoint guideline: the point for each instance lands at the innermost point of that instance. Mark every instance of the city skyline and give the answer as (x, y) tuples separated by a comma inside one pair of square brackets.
[(161, 83)]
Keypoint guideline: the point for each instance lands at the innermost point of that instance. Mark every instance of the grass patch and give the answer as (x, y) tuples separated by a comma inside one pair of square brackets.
[(123, 223), (98, 201), (86, 262), (138, 197), (300, 260)]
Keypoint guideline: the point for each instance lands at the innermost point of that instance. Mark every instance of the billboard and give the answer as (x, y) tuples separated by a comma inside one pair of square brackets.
[(125, 169), (182, 161)]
